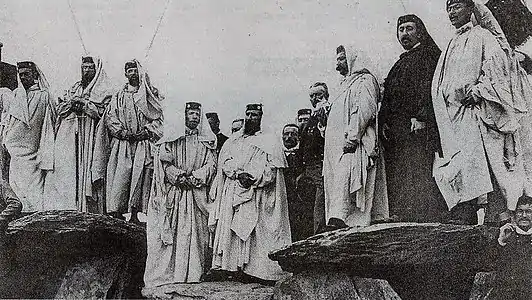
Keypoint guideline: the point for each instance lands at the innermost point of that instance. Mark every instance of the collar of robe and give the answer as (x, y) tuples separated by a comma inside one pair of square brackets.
[(291, 150), (465, 28), (522, 232), (189, 131)]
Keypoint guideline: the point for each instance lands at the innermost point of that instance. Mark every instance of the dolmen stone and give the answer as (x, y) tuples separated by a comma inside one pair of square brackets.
[(417, 261), (72, 255)]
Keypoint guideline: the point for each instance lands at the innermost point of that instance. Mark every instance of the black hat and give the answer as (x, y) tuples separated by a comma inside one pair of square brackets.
[(87, 59), (213, 115), (192, 105), (27, 65), (467, 2), (304, 111), (407, 18), (129, 65), (254, 107)]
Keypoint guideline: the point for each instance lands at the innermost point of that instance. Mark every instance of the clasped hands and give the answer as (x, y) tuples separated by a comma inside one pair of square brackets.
[(78, 104), (187, 182), (142, 135)]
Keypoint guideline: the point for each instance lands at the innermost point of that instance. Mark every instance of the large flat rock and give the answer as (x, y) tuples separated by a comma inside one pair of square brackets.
[(370, 250), (68, 254)]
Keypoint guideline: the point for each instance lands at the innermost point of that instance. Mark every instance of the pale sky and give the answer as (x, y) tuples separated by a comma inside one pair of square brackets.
[(223, 54)]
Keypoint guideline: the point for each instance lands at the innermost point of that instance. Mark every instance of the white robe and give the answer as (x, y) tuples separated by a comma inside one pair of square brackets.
[(249, 223), (177, 231)]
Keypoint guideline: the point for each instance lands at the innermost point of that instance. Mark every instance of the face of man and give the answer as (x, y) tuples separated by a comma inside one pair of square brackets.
[(236, 126), (317, 95), (88, 71), (341, 64), (523, 216), (459, 14), (192, 118), (302, 120), (132, 75), (27, 77), (408, 35), (215, 124), (252, 121), (290, 137)]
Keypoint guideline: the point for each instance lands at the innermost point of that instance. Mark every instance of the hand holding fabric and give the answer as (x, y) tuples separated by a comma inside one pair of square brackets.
[(245, 179), (505, 232), (350, 144)]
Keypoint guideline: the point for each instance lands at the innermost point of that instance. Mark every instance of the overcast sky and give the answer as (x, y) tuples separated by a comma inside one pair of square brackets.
[(223, 54)]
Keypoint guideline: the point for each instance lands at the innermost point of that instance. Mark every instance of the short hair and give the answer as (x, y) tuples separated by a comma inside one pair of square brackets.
[(524, 200), (324, 85)]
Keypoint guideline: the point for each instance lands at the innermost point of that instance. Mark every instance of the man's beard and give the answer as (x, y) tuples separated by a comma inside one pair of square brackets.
[(134, 81), (250, 127), (85, 80)]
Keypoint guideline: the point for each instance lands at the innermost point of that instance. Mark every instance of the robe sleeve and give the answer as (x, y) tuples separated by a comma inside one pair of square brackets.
[(95, 110), (64, 107), (112, 122), (229, 167), (493, 86), (171, 172), (363, 108), (206, 173), (262, 169), (155, 128)]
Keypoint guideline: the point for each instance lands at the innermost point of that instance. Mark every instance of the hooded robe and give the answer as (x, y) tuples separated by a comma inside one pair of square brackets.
[(355, 183), (127, 166), (28, 137), (177, 231), (249, 223), (70, 185)]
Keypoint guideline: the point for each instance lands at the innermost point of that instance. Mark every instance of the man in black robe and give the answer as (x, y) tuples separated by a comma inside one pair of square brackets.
[(214, 122), (408, 127), (312, 145), (300, 207)]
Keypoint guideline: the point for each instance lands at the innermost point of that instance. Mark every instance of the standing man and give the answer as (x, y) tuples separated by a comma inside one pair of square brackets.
[(300, 205), (237, 125), (29, 136), (355, 192), (70, 185), (408, 127), (177, 231), (312, 148), (477, 114), (250, 210), (134, 122), (214, 122)]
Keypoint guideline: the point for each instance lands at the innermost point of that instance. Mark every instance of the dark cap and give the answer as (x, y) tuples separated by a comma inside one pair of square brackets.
[(407, 18), (467, 2), (87, 59), (192, 105), (304, 111), (27, 65), (212, 115), (254, 107), (129, 65)]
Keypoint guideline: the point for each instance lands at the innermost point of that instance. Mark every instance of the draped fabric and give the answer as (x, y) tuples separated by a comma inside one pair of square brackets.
[(248, 223), (28, 135), (355, 183), (177, 231), (125, 164), (70, 185), (483, 138)]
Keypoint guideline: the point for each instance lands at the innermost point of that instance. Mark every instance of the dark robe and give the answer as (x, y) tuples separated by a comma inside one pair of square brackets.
[(412, 192), (311, 145), (220, 138), (300, 208)]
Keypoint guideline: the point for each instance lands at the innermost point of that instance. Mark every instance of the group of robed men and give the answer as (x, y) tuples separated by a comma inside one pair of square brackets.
[(450, 141), (452, 127)]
